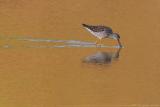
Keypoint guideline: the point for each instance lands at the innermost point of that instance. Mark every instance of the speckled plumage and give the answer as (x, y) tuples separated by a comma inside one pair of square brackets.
[(101, 32), (99, 28)]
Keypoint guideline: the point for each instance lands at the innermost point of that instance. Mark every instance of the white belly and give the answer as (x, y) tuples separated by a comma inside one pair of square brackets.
[(99, 35)]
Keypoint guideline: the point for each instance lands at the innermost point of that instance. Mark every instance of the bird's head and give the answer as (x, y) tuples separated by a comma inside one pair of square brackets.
[(115, 36)]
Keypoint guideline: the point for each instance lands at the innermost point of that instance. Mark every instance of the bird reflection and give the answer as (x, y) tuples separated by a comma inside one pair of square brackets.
[(102, 57)]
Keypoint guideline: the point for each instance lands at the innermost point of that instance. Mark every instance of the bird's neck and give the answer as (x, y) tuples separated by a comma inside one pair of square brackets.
[(112, 36)]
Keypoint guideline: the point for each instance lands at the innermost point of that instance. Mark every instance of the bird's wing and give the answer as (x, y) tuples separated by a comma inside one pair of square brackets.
[(98, 28), (101, 28), (108, 30)]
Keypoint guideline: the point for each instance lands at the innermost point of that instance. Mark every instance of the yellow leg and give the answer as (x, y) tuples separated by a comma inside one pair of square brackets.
[(96, 42), (100, 41)]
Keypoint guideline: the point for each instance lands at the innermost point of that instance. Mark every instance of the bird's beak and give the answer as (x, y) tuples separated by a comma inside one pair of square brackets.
[(119, 43)]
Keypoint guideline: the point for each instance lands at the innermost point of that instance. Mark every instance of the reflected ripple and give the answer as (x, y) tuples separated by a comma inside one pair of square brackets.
[(102, 57)]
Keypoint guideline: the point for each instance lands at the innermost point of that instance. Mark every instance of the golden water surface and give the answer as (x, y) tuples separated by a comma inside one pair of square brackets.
[(37, 74)]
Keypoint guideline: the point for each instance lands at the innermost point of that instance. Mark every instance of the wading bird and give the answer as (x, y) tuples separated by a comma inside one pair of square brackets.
[(102, 32)]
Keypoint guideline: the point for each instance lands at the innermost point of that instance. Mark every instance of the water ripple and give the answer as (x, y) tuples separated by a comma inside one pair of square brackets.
[(55, 43)]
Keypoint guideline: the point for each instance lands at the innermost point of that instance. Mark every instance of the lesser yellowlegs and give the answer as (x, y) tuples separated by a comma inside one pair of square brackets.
[(102, 32)]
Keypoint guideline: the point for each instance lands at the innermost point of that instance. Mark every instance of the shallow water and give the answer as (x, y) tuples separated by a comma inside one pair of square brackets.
[(49, 43), (47, 59)]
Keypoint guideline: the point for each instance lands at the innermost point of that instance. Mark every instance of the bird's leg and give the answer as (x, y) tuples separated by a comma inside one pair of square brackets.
[(100, 41), (96, 42)]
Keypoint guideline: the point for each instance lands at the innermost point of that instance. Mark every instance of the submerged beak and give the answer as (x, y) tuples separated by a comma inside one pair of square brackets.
[(119, 43)]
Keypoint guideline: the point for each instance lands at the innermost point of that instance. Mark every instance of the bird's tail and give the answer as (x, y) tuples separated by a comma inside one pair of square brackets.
[(84, 25)]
